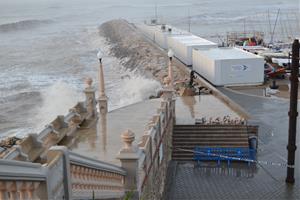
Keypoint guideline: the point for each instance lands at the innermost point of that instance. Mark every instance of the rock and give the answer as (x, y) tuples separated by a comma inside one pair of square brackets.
[(136, 52)]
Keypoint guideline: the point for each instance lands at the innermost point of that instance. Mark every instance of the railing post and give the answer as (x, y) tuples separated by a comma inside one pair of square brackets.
[(52, 153), (168, 96), (90, 100), (129, 157)]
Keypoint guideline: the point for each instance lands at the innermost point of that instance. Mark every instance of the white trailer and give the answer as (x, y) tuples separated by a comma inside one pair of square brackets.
[(183, 47), (162, 36), (229, 66), (148, 30), (160, 33)]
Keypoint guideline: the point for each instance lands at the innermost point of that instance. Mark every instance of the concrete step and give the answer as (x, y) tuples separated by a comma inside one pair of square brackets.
[(175, 131), (220, 139), (210, 142), (197, 132), (182, 159), (209, 127), (182, 136), (192, 146)]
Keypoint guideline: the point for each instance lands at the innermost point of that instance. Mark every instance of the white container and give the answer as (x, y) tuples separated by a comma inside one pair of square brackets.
[(162, 37), (183, 47), (148, 30), (229, 66)]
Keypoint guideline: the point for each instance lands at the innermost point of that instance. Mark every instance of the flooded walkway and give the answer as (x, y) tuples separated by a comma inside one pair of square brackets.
[(190, 108), (240, 181), (102, 140)]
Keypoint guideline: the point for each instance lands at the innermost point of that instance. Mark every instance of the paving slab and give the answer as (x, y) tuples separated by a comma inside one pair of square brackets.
[(239, 181)]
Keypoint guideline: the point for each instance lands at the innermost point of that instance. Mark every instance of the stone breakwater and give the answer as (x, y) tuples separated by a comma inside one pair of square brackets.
[(136, 52)]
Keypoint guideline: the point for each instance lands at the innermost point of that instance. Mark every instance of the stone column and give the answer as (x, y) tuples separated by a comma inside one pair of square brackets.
[(103, 129), (66, 173), (170, 55), (129, 157), (90, 100), (167, 94), (102, 100)]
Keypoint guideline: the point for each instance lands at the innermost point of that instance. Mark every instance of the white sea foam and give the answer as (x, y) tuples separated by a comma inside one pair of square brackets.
[(132, 89), (57, 100)]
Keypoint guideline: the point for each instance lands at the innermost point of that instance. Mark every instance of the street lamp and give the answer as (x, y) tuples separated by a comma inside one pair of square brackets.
[(100, 55), (102, 97), (171, 55)]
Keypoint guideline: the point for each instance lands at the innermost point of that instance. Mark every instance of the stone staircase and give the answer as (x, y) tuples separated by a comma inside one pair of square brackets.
[(190, 136)]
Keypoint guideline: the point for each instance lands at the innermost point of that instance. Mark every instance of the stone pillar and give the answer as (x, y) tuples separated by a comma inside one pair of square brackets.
[(129, 157), (103, 129), (170, 55), (167, 94), (102, 100), (51, 154), (171, 84), (90, 100)]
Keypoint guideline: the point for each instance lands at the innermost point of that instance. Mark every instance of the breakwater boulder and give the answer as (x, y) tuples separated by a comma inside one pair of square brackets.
[(136, 52)]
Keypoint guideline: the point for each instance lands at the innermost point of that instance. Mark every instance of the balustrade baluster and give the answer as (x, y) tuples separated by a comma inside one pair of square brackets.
[(21, 187), (3, 190)]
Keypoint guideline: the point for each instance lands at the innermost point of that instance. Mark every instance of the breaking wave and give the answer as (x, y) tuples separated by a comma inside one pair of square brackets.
[(133, 89), (57, 99), (23, 25)]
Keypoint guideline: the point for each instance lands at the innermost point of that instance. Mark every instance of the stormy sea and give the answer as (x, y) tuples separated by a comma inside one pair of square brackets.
[(48, 47)]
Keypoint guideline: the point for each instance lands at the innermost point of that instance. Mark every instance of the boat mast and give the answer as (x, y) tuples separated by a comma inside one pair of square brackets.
[(189, 20), (270, 26), (156, 12), (272, 36)]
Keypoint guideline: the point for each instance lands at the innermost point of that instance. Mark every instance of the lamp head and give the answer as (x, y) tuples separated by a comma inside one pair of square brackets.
[(170, 54), (99, 56)]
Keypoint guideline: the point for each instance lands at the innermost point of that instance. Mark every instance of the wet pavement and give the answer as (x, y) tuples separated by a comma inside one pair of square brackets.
[(102, 140), (190, 108), (240, 181)]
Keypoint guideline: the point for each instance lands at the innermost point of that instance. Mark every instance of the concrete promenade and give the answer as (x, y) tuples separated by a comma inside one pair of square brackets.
[(102, 140), (240, 181)]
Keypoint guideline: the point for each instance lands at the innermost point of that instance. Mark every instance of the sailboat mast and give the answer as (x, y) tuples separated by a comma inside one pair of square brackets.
[(272, 36), (189, 20)]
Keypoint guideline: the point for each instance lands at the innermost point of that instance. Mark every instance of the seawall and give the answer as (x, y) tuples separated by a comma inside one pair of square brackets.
[(138, 53)]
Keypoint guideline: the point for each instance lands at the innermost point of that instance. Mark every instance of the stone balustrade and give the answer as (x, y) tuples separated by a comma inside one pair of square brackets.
[(22, 180), (93, 178), (146, 164), (36, 146), (19, 190), (66, 175)]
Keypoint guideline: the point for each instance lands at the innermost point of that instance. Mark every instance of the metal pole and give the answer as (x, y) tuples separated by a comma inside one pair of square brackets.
[(293, 113), (171, 84), (101, 80)]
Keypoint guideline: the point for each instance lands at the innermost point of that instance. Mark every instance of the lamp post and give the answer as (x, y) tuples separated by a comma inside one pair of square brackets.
[(102, 100), (293, 113), (170, 55)]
